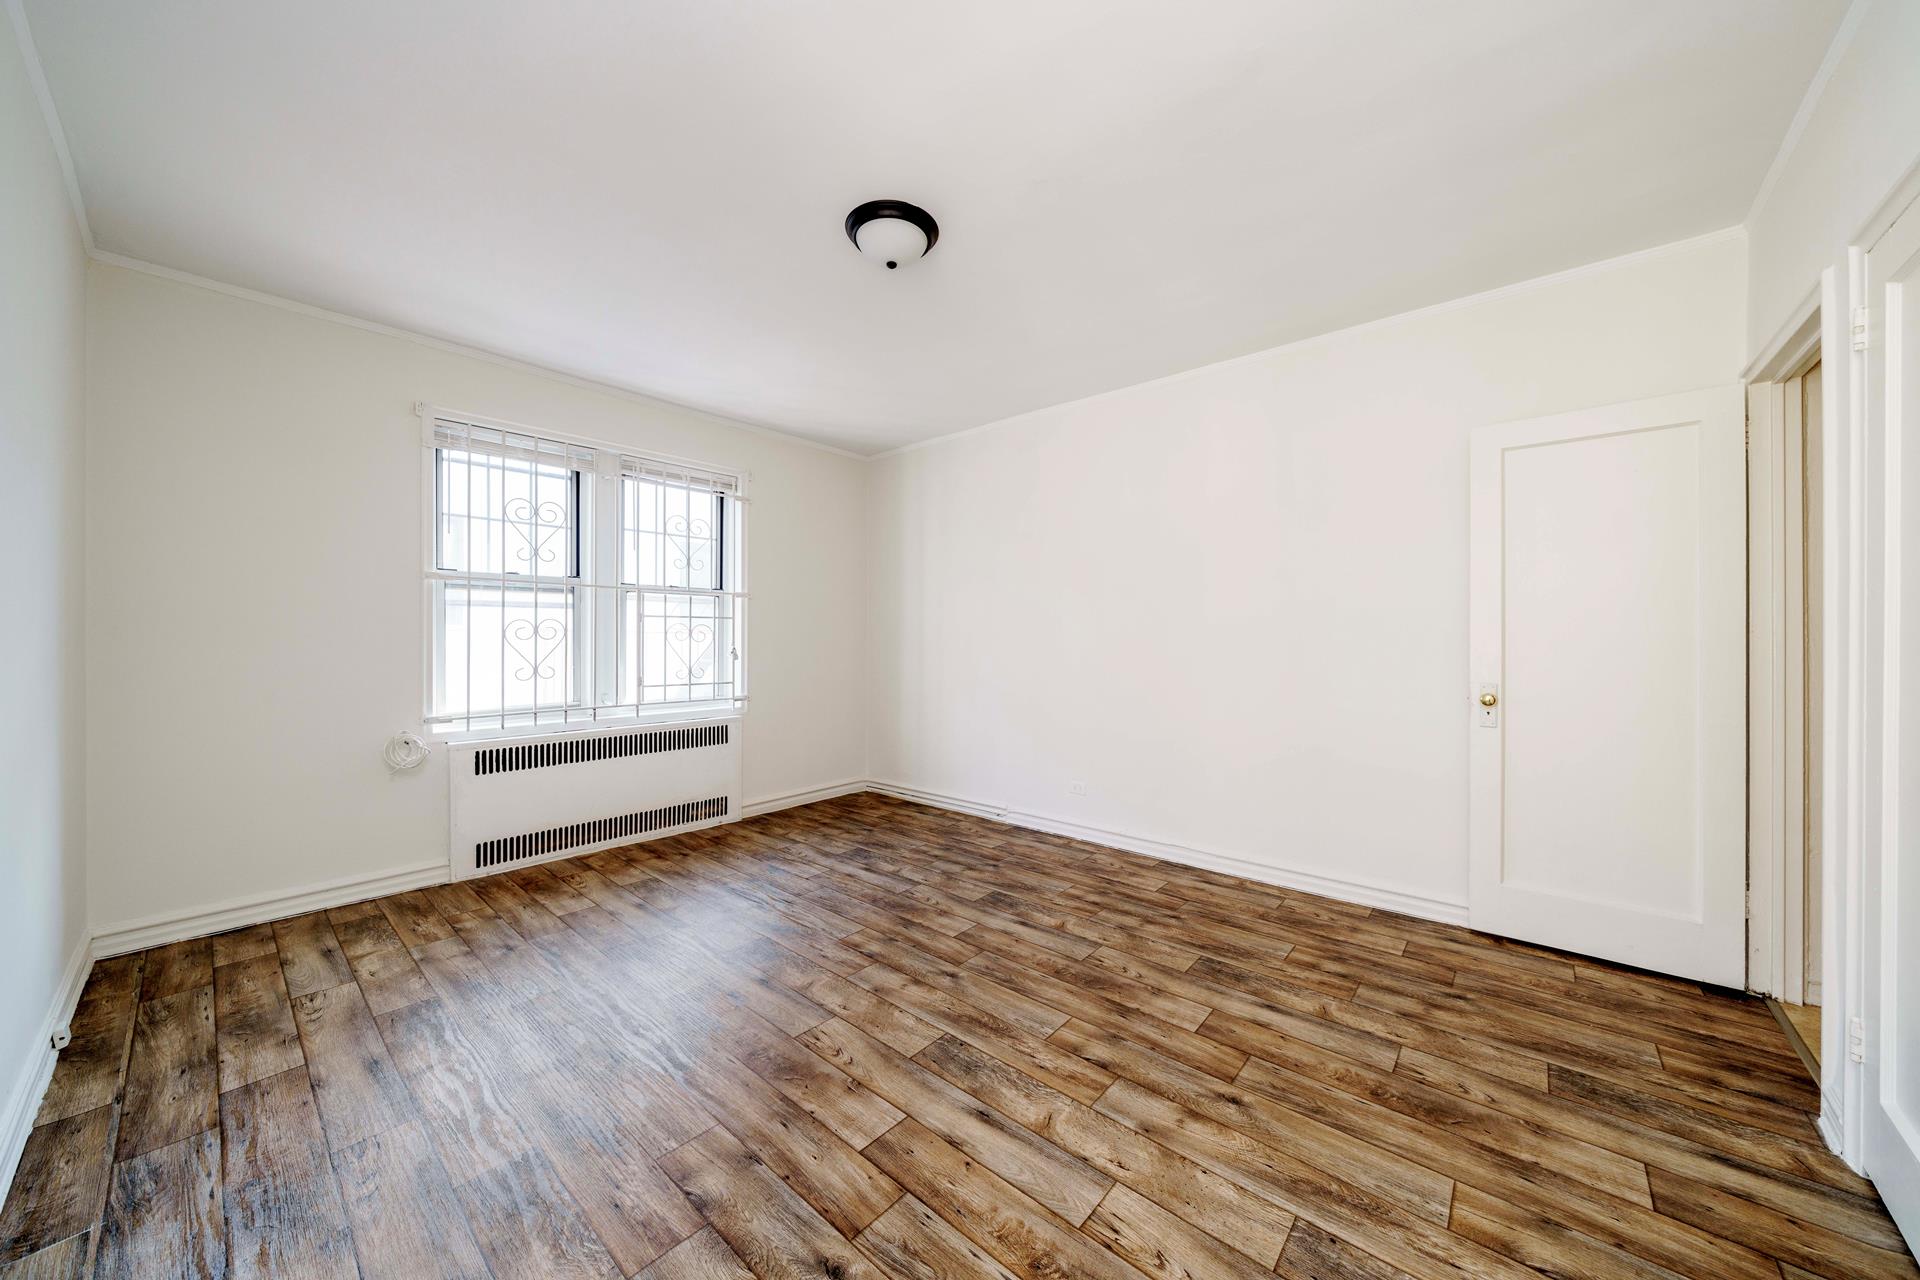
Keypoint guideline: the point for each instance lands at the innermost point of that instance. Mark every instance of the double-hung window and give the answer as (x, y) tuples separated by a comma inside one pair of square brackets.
[(570, 583)]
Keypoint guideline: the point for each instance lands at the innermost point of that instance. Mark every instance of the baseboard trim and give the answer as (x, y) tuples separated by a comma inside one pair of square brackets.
[(941, 800), (806, 795), (1360, 892), (23, 1103), (158, 930), (1829, 1127), (237, 913)]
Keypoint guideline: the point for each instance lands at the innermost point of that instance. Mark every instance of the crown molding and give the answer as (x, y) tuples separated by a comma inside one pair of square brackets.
[(1809, 101), (451, 347), (1519, 287)]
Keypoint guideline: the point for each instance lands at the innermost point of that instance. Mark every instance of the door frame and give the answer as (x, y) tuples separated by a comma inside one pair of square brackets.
[(1890, 1148), (1853, 670), (1776, 763)]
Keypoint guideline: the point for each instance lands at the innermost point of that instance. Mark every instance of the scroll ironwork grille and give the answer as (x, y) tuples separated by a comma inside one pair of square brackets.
[(571, 583)]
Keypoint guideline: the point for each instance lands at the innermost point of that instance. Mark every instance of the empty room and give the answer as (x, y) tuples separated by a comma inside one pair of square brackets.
[(684, 640)]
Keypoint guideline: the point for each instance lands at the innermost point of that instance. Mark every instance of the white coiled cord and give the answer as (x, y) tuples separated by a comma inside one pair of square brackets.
[(405, 750)]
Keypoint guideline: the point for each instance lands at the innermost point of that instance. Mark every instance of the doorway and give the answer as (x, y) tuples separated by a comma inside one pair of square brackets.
[(1606, 613), (1785, 421)]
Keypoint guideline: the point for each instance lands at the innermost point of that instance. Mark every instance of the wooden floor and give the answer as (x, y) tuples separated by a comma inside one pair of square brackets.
[(866, 1039), (1805, 1021)]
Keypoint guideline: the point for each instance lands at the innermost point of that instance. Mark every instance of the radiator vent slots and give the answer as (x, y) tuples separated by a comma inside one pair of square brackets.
[(535, 844), (513, 805), (616, 746)]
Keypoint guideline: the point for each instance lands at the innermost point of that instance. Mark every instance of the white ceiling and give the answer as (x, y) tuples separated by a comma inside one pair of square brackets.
[(651, 194)]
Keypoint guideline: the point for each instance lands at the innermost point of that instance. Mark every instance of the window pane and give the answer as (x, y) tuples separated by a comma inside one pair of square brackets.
[(675, 648), (506, 515), (670, 535), (510, 649)]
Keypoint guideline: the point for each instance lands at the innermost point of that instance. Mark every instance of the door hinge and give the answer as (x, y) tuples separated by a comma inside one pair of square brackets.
[(1856, 1040), (1859, 328)]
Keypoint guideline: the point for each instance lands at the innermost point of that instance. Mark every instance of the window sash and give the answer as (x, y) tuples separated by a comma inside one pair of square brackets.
[(568, 524)]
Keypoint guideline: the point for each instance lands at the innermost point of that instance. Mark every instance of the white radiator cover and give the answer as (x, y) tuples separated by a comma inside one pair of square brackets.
[(525, 800)]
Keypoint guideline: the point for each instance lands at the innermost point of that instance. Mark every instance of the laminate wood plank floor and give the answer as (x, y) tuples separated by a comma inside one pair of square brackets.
[(868, 1039)]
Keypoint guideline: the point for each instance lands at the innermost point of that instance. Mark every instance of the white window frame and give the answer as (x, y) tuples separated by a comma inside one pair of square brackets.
[(600, 591)]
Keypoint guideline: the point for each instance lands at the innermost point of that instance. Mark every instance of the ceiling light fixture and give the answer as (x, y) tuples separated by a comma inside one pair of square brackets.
[(892, 231)]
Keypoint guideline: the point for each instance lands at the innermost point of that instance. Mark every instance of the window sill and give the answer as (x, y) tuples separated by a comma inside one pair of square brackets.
[(679, 713)]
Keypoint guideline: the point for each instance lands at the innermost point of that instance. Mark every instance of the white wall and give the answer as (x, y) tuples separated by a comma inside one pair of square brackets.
[(1233, 603), (1861, 137), (42, 811), (254, 590)]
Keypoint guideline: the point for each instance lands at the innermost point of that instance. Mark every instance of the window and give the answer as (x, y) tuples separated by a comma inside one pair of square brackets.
[(570, 583)]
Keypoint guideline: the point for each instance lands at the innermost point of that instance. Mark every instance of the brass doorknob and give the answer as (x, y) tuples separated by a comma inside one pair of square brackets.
[(1488, 699)]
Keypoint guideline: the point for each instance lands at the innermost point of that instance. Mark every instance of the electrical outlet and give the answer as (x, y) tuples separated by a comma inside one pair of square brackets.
[(62, 1037), (1076, 788)]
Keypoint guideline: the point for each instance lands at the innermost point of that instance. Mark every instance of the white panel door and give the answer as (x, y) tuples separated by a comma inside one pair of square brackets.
[(1890, 1072), (1608, 613)]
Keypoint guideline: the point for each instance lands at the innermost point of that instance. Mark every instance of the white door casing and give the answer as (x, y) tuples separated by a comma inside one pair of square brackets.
[(1890, 1071), (1607, 609)]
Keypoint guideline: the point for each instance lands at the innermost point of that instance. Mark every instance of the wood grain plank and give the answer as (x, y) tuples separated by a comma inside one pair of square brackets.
[(59, 1184), (830, 1175), (701, 1256), (775, 1232), (1541, 1242), (166, 1215), (1426, 1249), (176, 967), (636, 1212), (1178, 1043), (888, 1023), (310, 954), (448, 899), (172, 1075), (1377, 1108), (381, 963), (990, 1211), (243, 944), (915, 1243), (1803, 1244), (850, 1109), (1850, 1213), (1801, 1155), (406, 1222), (69, 1259), (458, 1101), (1301, 1013), (1039, 1058), (1061, 1182), (1597, 1167), (1162, 1244), (254, 1031), (1013, 1007), (88, 1072), (415, 919), (1238, 1218), (516, 906), (358, 1089), (527, 1225), (283, 1211), (1392, 1177), (1313, 1254)]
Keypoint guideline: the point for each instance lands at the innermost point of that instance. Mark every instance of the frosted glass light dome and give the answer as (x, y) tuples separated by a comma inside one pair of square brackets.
[(893, 241), (892, 233)]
